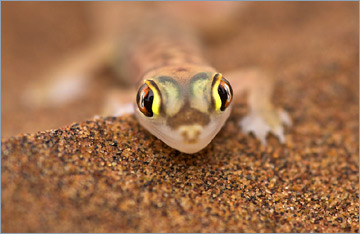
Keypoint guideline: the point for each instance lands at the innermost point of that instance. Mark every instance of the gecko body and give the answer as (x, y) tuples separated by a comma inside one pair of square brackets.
[(179, 97)]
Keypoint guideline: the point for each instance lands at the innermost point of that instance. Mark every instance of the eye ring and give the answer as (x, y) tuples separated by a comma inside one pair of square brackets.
[(144, 100)]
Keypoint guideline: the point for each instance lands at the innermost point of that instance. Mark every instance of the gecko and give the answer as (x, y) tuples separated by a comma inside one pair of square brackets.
[(178, 96)]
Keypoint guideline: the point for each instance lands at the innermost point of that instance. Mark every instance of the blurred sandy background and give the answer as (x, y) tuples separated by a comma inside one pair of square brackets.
[(277, 36)]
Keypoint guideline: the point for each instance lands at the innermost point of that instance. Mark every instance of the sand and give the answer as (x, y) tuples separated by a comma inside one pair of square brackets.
[(111, 175)]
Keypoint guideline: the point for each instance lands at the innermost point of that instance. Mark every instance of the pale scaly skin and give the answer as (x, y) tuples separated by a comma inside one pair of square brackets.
[(187, 120), (169, 55), (186, 113)]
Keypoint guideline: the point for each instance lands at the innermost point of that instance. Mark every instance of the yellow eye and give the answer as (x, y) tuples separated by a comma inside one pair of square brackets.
[(222, 92), (148, 99)]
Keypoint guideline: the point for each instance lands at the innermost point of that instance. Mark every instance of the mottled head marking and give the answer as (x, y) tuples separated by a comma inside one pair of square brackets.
[(198, 82), (181, 69), (188, 116), (199, 76), (170, 94), (166, 79), (200, 91)]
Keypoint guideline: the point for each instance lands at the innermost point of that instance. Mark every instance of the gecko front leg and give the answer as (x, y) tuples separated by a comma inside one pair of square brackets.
[(263, 117)]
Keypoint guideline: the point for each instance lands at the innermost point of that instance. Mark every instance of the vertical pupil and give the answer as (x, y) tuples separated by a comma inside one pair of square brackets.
[(148, 100), (144, 100), (223, 96)]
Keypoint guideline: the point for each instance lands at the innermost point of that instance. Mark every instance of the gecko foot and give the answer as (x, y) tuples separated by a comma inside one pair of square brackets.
[(266, 121)]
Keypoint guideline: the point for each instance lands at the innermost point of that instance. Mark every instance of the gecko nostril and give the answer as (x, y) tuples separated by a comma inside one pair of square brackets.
[(190, 133)]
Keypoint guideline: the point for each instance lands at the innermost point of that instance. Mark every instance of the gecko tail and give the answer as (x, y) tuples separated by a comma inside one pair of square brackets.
[(70, 79)]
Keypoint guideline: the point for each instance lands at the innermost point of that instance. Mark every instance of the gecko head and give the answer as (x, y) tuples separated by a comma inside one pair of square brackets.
[(186, 114)]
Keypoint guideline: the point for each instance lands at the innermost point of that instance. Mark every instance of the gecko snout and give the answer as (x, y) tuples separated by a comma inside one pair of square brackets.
[(190, 133)]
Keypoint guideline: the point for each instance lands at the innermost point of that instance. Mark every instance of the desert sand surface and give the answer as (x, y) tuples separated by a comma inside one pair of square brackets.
[(63, 171)]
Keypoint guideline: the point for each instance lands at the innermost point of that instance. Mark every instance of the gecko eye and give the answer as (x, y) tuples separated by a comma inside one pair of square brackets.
[(225, 93), (144, 100), (222, 92)]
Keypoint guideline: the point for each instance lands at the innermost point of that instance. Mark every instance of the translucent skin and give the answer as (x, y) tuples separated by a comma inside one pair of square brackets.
[(168, 54), (188, 119)]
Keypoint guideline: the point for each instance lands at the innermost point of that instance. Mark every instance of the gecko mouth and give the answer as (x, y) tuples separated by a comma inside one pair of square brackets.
[(186, 137), (190, 133), (189, 138)]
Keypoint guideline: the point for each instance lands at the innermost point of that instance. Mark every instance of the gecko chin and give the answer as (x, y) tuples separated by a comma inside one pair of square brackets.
[(189, 138)]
